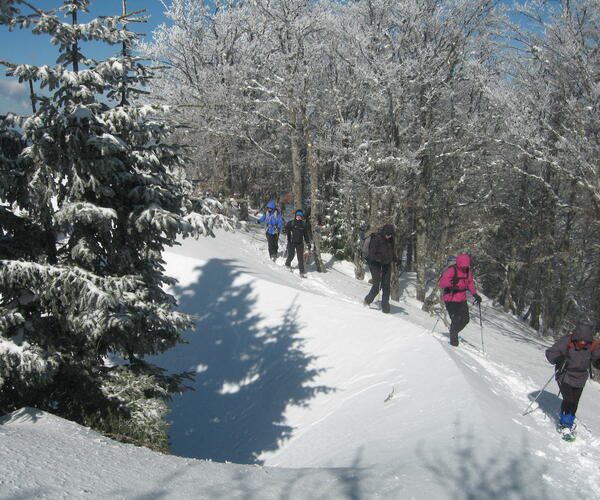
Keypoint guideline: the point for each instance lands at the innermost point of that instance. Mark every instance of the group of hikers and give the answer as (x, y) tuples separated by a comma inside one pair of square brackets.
[(297, 231), (572, 355)]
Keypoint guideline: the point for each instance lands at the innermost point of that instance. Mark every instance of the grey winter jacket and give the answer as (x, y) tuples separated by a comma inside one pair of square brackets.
[(577, 361)]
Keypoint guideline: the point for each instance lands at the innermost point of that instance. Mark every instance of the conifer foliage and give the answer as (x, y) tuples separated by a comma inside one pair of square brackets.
[(92, 199)]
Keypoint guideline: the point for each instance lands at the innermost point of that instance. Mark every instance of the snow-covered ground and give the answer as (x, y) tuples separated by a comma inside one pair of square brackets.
[(334, 400)]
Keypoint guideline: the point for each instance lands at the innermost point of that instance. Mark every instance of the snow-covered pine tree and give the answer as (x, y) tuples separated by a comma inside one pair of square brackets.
[(94, 200)]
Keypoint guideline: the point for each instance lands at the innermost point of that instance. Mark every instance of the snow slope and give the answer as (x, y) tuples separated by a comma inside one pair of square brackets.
[(335, 399)]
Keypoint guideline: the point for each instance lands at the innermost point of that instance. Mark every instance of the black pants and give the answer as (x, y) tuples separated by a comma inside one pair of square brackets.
[(459, 317), (381, 274), (273, 241), (571, 397), (298, 249)]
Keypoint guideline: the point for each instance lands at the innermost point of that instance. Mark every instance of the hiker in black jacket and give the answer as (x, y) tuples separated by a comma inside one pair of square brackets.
[(379, 259), (572, 356), (297, 233)]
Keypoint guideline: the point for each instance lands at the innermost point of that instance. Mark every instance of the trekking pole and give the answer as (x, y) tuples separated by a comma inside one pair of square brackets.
[(539, 394), (559, 371), (436, 322), (481, 324)]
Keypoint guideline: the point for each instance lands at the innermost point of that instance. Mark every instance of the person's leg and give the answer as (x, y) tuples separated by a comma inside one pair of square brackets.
[(272, 240), (290, 254), (569, 405), (453, 309), (462, 316), (386, 274), (300, 254), (376, 275)]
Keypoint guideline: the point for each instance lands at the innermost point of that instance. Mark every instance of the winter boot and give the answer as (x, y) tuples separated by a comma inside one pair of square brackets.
[(566, 426), (454, 339), (566, 420)]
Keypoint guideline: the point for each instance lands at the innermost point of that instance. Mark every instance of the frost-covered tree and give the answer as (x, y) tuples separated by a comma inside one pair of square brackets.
[(94, 195), (465, 131), (544, 254)]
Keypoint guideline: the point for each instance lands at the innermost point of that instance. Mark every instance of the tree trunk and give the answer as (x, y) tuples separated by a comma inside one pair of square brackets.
[(313, 169), (396, 271), (423, 183), (421, 231), (295, 151)]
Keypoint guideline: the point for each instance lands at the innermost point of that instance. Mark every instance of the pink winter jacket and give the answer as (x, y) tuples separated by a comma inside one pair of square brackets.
[(465, 280)]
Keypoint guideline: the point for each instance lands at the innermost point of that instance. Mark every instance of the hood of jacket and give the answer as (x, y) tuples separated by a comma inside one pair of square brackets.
[(463, 260), (583, 332)]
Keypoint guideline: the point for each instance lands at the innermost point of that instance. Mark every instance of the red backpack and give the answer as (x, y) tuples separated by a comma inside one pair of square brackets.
[(571, 344)]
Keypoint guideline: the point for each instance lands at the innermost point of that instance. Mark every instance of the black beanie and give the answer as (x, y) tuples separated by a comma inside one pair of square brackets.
[(387, 229)]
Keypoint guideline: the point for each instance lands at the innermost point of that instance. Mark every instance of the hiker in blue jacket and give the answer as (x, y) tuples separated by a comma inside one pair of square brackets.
[(274, 221)]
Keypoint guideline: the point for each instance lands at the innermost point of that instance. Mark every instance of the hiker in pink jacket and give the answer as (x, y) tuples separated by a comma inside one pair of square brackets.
[(455, 281)]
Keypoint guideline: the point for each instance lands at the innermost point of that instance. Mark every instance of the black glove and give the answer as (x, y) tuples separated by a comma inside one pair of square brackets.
[(597, 364), (477, 298), (454, 281), (559, 364)]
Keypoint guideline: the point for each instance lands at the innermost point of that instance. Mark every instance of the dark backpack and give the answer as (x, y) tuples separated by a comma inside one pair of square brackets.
[(364, 252), (453, 288), (593, 345)]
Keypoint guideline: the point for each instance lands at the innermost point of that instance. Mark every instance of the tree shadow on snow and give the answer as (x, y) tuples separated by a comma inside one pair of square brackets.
[(25, 414), (472, 470), (511, 326), (247, 372)]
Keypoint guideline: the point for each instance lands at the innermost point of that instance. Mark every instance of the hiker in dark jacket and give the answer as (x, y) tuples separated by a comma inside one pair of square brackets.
[(274, 222), (297, 233), (572, 356), (455, 281), (379, 259)]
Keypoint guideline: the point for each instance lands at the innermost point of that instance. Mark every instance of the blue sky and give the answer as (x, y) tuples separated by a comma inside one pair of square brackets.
[(21, 47)]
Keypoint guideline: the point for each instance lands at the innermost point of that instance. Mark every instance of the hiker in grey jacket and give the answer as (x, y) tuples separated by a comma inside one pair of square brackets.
[(572, 356)]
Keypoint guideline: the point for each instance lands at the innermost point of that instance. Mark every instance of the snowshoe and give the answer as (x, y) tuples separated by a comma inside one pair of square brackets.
[(567, 433)]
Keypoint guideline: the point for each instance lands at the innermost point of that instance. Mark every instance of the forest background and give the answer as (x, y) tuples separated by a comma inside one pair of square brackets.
[(471, 125)]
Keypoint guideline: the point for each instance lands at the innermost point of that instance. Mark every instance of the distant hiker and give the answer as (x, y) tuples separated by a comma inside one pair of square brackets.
[(572, 355), (455, 281), (274, 221), (380, 256), (297, 233)]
